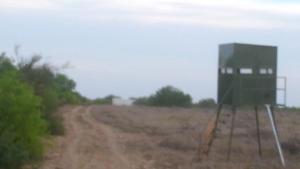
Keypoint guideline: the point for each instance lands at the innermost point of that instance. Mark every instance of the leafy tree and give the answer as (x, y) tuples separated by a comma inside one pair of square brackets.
[(64, 83), (106, 100), (207, 103), (40, 76), (65, 88), (21, 124), (170, 96), (54, 89), (30, 92), (142, 101), (5, 64)]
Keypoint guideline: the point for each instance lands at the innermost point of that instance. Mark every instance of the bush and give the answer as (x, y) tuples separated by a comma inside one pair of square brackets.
[(54, 89), (6, 64), (30, 93), (142, 101), (207, 103), (55, 123), (101, 101), (21, 124), (106, 100), (50, 102), (170, 96)]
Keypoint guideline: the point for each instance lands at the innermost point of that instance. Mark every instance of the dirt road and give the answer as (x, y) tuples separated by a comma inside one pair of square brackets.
[(88, 144), (136, 137)]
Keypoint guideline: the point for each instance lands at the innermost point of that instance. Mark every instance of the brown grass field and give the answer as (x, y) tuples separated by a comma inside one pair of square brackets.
[(133, 137)]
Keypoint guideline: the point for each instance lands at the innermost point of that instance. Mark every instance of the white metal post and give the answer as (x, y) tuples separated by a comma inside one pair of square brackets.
[(275, 134)]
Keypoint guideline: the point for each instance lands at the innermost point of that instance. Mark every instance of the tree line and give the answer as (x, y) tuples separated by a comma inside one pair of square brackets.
[(167, 96), (30, 93), (170, 96)]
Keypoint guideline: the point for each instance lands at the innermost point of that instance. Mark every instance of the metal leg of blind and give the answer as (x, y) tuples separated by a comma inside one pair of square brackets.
[(258, 131), (275, 132), (231, 133)]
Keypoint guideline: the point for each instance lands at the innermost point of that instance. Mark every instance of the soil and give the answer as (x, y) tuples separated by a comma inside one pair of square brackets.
[(134, 137)]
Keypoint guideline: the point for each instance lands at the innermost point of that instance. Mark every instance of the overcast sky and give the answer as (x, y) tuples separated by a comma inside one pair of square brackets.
[(133, 47)]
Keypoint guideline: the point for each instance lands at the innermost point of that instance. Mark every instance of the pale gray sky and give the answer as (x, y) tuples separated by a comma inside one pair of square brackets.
[(133, 47)]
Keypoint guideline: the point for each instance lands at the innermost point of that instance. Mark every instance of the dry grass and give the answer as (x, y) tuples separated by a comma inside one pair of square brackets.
[(169, 137)]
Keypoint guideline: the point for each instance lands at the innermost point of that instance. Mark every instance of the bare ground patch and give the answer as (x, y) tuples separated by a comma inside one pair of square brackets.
[(169, 137), (112, 137)]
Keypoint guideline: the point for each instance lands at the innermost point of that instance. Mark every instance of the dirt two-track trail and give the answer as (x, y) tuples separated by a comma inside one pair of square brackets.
[(139, 137), (88, 144)]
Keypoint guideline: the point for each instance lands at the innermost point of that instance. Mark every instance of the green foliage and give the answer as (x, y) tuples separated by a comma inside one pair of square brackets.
[(101, 101), (54, 89), (29, 96), (50, 103), (5, 64), (207, 103), (39, 76), (106, 100), (50, 100), (142, 101), (65, 88), (170, 96), (166, 96), (21, 125)]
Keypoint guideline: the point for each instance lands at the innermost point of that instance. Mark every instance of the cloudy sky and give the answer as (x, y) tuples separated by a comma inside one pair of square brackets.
[(133, 47)]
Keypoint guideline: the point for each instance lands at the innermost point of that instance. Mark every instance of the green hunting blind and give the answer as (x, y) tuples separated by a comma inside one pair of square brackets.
[(247, 76)]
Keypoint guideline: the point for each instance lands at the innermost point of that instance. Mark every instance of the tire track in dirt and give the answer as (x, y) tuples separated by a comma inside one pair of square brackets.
[(88, 144), (115, 153)]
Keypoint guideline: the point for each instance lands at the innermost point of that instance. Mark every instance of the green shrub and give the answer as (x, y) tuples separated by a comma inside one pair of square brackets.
[(50, 102), (207, 103), (6, 64), (30, 93), (101, 101), (106, 100), (55, 123), (142, 101), (21, 124), (170, 96), (54, 89)]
